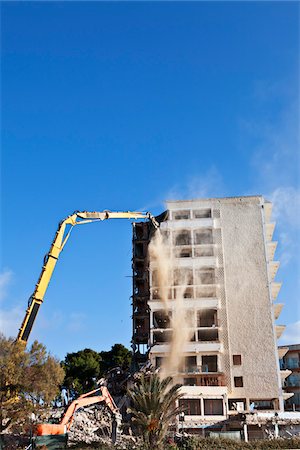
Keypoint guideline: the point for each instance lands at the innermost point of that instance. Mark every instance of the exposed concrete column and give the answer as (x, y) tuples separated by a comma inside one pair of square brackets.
[(245, 432), (202, 406)]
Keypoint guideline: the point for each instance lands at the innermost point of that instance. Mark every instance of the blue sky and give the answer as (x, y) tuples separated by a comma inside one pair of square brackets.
[(120, 106)]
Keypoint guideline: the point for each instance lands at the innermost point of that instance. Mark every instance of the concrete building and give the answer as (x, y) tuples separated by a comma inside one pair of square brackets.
[(225, 248), (290, 361)]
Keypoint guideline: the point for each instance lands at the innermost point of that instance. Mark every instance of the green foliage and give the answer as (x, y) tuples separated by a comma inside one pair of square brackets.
[(82, 370), (197, 443), (153, 407), (85, 367), (29, 379), (118, 356)]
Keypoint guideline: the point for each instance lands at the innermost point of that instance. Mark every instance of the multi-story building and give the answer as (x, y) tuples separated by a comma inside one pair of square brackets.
[(290, 361), (224, 246)]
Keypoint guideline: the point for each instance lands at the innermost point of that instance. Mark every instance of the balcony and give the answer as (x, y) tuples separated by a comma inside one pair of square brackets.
[(271, 248), (273, 267), (292, 381), (275, 288), (284, 374), (203, 261), (207, 379), (187, 223), (269, 231), (207, 334), (268, 211), (279, 329), (287, 395), (282, 351), (203, 302), (277, 308), (290, 364), (190, 347), (207, 318)]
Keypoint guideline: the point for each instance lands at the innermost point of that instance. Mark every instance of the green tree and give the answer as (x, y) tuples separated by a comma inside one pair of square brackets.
[(29, 380), (85, 367), (118, 356), (153, 407), (82, 370)]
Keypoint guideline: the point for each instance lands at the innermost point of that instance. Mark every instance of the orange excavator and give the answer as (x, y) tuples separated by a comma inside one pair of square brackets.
[(50, 436)]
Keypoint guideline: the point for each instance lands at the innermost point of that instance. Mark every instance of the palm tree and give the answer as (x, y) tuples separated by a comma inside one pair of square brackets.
[(154, 407)]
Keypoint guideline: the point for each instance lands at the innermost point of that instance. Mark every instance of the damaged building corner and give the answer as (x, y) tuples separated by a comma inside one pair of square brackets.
[(142, 233), (223, 250)]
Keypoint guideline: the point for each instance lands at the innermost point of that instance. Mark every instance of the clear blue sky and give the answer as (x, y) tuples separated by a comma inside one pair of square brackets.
[(121, 106)]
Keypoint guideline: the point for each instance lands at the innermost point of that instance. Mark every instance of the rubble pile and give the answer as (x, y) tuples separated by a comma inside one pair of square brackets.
[(93, 424), (90, 425)]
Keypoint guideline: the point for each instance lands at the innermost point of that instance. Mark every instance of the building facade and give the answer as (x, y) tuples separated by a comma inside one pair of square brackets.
[(290, 361), (224, 246)]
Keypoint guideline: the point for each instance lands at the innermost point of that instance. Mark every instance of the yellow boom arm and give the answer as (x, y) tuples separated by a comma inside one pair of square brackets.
[(62, 235)]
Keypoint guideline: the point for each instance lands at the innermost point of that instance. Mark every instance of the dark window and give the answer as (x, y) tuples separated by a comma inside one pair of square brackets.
[(213, 407), (208, 334), (139, 231), (158, 361), (183, 276), (238, 382), (266, 405), (206, 291), (209, 363), (193, 338), (237, 360), (155, 294), (181, 215), (161, 337), (203, 237), (186, 253), (183, 238), (205, 276), (161, 319), (188, 292), (190, 406), (190, 363), (202, 213), (207, 318), (154, 278), (189, 382), (204, 251), (236, 404), (138, 250)]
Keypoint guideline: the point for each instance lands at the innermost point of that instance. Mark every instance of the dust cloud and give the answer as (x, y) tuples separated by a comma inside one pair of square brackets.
[(163, 268)]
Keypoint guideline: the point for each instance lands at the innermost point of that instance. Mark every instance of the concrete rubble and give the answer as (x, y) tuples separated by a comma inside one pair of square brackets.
[(91, 425)]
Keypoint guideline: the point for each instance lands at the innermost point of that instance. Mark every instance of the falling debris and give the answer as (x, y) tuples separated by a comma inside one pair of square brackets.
[(164, 270)]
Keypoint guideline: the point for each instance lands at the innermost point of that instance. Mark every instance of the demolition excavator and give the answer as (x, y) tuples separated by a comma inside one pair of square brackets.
[(63, 232), (54, 436), (51, 435)]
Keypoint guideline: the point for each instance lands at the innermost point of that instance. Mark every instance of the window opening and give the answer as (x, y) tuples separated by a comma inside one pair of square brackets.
[(190, 406), (237, 360), (205, 276), (181, 215), (238, 382), (202, 214), (210, 363), (208, 335), (213, 407), (182, 238), (203, 236), (204, 251)]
